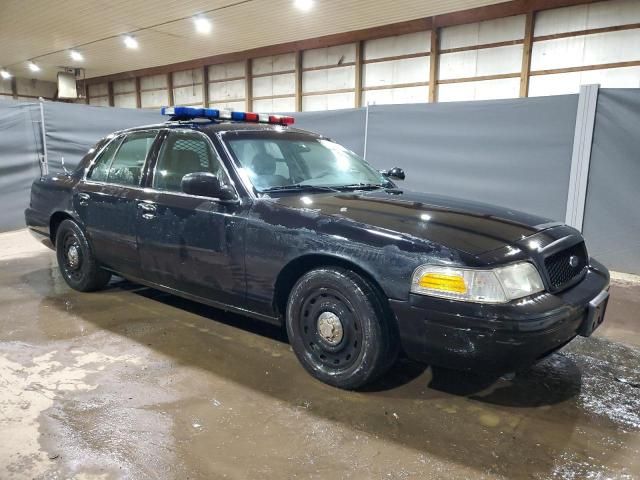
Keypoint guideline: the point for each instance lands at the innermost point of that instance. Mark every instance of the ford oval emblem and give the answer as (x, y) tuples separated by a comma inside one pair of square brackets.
[(573, 261)]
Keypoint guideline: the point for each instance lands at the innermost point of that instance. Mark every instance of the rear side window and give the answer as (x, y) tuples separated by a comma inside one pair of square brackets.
[(183, 153), (126, 167), (100, 169)]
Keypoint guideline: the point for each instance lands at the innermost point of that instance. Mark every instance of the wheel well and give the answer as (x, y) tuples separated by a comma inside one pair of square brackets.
[(55, 221), (290, 274)]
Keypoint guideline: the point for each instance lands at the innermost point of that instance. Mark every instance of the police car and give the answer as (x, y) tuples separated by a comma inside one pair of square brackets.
[(246, 213)]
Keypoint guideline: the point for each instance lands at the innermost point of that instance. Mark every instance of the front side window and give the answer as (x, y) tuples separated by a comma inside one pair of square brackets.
[(128, 162), (183, 153), (100, 170), (276, 160)]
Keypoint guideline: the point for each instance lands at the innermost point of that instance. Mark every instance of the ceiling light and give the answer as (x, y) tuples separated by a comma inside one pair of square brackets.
[(203, 25), (130, 42), (5, 74), (303, 4), (75, 55), (33, 67)]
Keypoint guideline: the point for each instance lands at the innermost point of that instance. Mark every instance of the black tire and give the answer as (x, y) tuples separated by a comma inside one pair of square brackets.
[(358, 347), (76, 260)]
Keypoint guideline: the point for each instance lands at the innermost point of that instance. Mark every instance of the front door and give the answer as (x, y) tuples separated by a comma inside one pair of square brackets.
[(190, 243), (107, 200)]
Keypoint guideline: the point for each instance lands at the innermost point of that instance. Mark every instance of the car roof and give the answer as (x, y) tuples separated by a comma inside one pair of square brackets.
[(215, 127)]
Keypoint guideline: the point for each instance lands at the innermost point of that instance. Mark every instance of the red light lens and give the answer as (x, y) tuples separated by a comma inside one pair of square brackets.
[(251, 117), (281, 120)]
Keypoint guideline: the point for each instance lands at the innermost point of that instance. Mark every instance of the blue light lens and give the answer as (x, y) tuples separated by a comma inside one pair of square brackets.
[(238, 116)]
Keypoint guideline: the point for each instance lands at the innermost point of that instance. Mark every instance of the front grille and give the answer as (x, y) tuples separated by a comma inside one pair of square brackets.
[(559, 269)]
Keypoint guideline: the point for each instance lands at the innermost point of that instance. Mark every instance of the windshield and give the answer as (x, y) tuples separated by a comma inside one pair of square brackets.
[(279, 161)]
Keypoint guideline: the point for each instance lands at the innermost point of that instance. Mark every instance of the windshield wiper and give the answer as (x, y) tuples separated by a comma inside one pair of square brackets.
[(298, 187), (361, 186)]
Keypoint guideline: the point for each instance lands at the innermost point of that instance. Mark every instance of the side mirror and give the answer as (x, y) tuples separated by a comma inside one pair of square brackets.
[(205, 184), (395, 173)]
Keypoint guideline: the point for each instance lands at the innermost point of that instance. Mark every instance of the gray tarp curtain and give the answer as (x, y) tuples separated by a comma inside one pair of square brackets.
[(612, 211), (72, 129), (515, 153), (344, 126), (20, 143)]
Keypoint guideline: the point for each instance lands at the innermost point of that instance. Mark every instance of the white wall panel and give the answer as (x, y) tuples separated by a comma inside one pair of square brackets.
[(125, 100), (481, 90), (418, 42), (329, 79), (5, 87), (124, 86), (153, 81), (395, 95), (563, 83), (99, 101), (595, 49), (154, 99), (36, 88), (407, 70), (231, 90), (490, 31), (274, 105), (320, 57), (583, 17), (276, 63), (331, 101), (187, 95), (486, 61), (227, 70), (187, 77), (274, 85), (98, 90), (235, 106)]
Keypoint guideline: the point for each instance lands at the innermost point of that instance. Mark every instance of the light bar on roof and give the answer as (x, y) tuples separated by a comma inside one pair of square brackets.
[(190, 113)]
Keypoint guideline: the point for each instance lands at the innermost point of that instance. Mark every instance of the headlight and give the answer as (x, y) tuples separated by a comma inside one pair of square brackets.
[(499, 285)]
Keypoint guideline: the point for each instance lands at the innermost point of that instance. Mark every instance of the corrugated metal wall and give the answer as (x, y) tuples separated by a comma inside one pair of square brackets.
[(476, 61)]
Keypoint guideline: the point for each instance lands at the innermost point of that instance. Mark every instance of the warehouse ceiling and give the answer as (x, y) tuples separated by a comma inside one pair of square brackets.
[(46, 31)]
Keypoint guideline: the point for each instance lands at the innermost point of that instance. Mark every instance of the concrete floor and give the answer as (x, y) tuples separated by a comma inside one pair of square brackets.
[(133, 383)]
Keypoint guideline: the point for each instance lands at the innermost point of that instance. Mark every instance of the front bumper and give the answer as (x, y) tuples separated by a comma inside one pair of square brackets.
[(496, 338)]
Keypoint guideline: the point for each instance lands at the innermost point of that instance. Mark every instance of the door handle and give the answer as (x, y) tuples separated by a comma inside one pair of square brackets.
[(147, 207), (148, 210), (83, 199)]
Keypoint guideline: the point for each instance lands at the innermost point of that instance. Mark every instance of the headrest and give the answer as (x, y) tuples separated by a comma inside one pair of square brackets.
[(186, 161), (263, 164)]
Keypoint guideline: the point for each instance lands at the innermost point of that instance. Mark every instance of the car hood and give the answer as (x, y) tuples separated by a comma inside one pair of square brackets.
[(464, 225)]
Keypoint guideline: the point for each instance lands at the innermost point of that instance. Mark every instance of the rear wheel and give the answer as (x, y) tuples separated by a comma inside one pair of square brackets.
[(339, 328), (76, 260)]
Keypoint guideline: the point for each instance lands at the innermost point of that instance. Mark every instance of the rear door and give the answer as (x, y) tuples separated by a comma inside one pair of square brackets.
[(107, 200), (191, 243)]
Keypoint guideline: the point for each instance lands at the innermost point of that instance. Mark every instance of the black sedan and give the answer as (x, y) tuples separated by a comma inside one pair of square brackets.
[(250, 215)]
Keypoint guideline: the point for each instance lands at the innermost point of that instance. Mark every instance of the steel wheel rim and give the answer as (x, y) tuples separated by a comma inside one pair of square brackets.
[(340, 347), (72, 256)]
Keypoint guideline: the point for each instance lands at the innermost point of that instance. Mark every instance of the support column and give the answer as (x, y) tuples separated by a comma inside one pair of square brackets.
[(248, 85), (170, 89), (525, 72), (138, 96), (434, 64), (358, 86), (299, 81), (205, 86)]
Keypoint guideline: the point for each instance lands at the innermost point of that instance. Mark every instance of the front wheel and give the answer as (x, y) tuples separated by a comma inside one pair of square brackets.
[(339, 328), (76, 260)]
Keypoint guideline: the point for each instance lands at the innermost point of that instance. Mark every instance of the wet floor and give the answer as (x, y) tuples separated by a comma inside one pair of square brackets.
[(133, 383)]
